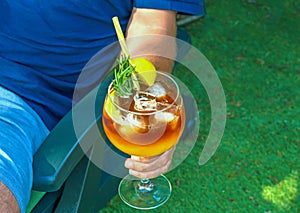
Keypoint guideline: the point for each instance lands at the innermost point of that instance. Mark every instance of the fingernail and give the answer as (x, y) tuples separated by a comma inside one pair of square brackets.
[(135, 158)]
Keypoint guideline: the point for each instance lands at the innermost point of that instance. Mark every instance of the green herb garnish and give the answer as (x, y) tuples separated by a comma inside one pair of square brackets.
[(125, 80)]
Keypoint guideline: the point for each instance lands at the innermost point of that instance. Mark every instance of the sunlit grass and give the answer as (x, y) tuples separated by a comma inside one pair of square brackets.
[(283, 193)]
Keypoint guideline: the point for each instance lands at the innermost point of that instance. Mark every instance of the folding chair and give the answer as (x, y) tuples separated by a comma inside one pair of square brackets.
[(70, 180)]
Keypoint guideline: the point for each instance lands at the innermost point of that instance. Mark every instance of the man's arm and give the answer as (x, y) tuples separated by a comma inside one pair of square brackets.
[(146, 22), (8, 202)]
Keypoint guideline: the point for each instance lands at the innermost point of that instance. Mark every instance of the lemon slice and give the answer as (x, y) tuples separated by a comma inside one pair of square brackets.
[(145, 69), (110, 108)]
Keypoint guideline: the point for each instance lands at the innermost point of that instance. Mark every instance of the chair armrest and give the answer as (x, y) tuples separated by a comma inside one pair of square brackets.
[(61, 151), (57, 157)]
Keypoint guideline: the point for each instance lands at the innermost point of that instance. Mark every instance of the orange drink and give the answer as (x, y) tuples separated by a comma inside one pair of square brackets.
[(147, 122), (143, 115)]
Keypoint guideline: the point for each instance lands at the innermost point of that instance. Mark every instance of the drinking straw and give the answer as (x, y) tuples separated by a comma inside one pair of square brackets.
[(120, 35), (123, 45)]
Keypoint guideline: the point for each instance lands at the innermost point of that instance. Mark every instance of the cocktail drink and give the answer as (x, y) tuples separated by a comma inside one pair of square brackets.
[(143, 115), (146, 121)]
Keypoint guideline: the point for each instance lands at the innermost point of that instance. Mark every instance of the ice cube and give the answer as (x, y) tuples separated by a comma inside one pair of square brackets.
[(144, 101), (157, 90), (170, 119), (174, 124), (139, 123), (164, 117), (133, 127), (137, 130)]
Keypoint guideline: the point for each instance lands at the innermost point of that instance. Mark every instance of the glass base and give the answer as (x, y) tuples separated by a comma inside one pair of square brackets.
[(144, 193)]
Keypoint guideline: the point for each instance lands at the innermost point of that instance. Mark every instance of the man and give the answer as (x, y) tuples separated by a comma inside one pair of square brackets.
[(43, 47)]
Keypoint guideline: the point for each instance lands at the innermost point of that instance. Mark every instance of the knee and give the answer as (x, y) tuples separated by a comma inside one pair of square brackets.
[(8, 202)]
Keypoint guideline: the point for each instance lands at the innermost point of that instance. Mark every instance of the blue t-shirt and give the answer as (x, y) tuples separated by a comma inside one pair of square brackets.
[(45, 44)]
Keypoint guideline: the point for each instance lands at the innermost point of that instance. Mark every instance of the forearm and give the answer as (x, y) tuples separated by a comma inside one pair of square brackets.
[(8, 202), (151, 33)]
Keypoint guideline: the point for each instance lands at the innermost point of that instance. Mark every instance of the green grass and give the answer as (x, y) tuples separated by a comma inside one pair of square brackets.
[(254, 48)]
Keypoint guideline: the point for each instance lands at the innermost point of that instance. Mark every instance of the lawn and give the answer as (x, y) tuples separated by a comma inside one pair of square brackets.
[(254, 47)]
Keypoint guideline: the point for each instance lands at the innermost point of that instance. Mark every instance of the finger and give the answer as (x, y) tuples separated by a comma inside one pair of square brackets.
[(143, 166), (149, 164), (150, 174)]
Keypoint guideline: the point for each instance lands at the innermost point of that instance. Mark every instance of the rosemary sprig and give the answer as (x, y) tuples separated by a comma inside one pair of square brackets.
[(124, 81)]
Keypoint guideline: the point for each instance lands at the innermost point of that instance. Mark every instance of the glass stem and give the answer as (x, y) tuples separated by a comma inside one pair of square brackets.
[(145, 185)]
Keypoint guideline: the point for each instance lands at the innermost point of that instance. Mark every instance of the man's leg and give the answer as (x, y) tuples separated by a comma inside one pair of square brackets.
[(21, 133)]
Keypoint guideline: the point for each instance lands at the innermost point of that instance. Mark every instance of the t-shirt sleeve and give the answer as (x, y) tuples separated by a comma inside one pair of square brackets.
[(193, 7)]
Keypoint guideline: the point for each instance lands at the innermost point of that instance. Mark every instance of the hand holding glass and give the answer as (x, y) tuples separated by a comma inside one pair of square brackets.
[(146, 123)]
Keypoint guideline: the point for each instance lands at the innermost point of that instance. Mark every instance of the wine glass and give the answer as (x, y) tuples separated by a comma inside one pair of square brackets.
[(145, 123)]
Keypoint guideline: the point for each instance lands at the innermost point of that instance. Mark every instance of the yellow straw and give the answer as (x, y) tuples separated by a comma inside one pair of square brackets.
[(120, 35), (124, 48)]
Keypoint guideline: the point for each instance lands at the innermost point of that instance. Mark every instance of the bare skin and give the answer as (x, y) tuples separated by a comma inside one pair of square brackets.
[(8, 202), (150, 167), (145, 22), (142, 22)]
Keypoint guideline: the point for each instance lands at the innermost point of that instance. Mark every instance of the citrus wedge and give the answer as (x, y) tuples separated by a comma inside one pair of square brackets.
[(145, 70), (110, 108)]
